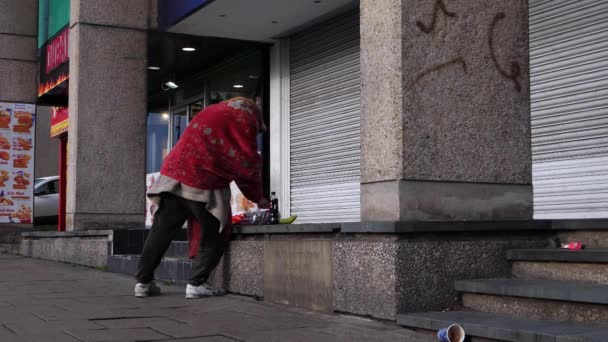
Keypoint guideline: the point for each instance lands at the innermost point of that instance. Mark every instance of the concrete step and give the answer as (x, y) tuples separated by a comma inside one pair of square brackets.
[(561, 255), (589, 265), (538, 289), (131, 241), (537, 299), (504, 328), (177, 249), (562, 271), (175, 270)]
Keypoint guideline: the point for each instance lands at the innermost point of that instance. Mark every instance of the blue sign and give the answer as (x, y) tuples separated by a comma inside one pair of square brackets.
[(171, 12)]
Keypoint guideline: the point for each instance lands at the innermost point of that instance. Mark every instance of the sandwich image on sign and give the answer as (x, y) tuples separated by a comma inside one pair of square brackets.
[(4, 143), (21, 180), (5, 117), (25, 121), (21, 144), (21, 161), (4, 176)]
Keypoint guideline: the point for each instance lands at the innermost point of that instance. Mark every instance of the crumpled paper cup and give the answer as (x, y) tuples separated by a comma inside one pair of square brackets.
[(453, 333)]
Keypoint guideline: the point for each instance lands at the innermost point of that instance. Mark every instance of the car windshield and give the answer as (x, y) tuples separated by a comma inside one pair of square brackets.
[(38, 181)]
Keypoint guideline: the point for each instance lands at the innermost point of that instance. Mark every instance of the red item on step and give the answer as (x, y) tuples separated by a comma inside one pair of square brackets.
[(573, 246)]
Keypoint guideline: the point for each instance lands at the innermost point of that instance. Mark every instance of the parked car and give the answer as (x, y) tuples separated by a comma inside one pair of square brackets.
[(46, 200)]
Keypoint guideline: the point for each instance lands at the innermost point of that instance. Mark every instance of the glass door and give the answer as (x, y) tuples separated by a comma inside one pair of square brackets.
[(195, 108), (157, 141), (179, 122)]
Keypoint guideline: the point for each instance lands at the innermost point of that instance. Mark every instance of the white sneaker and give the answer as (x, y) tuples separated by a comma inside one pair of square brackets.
[(146, 290), (205, 290)]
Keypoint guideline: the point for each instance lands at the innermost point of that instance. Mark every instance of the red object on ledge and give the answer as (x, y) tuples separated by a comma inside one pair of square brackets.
[(573, 246)]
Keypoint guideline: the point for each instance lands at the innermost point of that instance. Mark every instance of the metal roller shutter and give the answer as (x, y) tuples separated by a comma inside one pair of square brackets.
[(569, 102), (324, 123)]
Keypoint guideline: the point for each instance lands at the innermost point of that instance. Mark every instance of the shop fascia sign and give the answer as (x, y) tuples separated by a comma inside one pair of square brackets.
[(59, 121), (171, 12), (54, 62)]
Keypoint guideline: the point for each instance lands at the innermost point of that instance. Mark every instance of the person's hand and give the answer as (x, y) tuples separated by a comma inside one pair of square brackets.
[(263, 203)]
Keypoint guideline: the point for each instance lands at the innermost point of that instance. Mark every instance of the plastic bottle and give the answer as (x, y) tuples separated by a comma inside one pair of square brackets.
[(274, 208)]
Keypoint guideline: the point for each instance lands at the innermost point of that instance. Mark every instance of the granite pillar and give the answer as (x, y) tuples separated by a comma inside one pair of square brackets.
[(18, 50), (445, 118), (108, 99)]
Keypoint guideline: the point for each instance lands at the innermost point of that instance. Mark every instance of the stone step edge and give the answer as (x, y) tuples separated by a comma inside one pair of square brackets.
[(137, 256), (175, 270), (501, 327), (567, 291), (559, 255)]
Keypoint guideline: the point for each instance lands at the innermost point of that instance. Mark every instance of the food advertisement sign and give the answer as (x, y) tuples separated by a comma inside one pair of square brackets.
[(54, 62), (59, 121), (16, 162)]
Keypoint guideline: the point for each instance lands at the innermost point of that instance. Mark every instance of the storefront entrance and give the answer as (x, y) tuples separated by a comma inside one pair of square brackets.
[(187, 74), (314, 102)]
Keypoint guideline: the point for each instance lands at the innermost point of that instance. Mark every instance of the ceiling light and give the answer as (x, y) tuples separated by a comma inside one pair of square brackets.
[(238, 86), (153, 68), (253, 77), (165, 116), (189, 49), (171, 85)]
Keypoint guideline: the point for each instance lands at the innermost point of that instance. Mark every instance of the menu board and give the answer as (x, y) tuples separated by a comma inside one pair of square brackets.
[(17, 162)]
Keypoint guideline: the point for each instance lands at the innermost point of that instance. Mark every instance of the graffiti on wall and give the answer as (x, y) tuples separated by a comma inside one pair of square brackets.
[(439, 6), (513, 74)]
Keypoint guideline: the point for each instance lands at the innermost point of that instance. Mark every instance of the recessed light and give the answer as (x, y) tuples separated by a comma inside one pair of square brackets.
[(189, 49), (317, 1), (171, 85), (275, 22), (253, 77), (153, 68), (165, 116), (222, 15), (238, 86)]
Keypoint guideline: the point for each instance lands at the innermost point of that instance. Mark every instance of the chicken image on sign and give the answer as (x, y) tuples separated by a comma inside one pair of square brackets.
[(17, 125)]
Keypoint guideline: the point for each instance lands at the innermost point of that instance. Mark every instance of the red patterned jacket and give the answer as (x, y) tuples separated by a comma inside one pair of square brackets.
[(219, 146)]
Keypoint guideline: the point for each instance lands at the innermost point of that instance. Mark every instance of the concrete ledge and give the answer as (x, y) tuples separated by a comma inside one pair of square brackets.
[(593, 224), (83, 233), (503, 328), (443, 226), (537, 289), (589, 255), (289, 228), (88, 248)]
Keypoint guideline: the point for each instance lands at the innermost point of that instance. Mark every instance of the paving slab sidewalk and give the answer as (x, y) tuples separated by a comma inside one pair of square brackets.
[(45, 301)]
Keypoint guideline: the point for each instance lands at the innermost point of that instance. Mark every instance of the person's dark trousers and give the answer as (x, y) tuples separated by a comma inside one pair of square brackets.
[(171, 215)]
